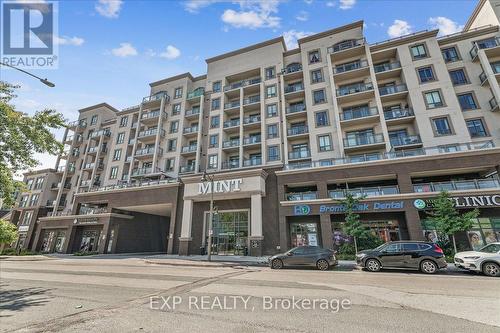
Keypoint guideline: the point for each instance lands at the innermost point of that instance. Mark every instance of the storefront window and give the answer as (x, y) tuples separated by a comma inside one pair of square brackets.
[(386, 231), (90, 241), (304, 234), (61, 236), (230, 232)]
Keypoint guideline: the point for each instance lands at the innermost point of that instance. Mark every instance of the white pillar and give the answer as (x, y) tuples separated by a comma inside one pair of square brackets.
[(256, 215), (187, 215)]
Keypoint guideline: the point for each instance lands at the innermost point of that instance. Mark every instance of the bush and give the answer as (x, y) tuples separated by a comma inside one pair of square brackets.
[(347, 251), (81, 254), (23, 252)]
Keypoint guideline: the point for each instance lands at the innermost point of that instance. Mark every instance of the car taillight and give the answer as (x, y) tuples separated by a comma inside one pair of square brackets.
[(438, 249)]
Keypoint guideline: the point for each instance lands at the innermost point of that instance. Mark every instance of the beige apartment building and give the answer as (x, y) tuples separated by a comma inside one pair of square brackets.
[(284, 134)]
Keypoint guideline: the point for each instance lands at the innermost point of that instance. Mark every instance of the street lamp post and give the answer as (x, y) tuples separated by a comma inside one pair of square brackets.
[(204, 179), (44, 81)]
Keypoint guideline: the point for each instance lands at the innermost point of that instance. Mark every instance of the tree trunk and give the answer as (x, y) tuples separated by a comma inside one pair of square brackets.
[(355, 245), (454, 243), (1, 248)]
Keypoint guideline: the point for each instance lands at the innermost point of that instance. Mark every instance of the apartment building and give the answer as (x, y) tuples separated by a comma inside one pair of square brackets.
[(282, 136)]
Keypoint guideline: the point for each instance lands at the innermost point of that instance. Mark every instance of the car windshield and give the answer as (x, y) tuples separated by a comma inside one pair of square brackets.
[(380, 247), (491, 248)]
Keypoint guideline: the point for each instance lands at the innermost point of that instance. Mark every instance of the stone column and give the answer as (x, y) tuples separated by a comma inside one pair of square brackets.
[(413, 224), (185, 239), (256, 226), (326, 231)]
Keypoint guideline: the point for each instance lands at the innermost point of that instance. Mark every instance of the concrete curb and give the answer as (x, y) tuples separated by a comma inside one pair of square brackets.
[(26, 258), (197, 263)]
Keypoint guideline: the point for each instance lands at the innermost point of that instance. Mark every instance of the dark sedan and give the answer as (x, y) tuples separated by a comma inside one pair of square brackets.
[(423, 256), (313, 256)]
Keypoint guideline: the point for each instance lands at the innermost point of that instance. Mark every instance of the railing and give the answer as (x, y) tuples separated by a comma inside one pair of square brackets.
[(252, 139), (457, 185), (386, 67), (482, 77), (192, 112), (358, 113), (361, 140), (251, 100), (297, 196), (230, 165), (231, 123), (155, 97), (192, 129), (233, 104), (405, 140), (92, 210), (354, 88), (131, 141), (294, 88), (189, 149), (297, 130), (100, 132), (392, 89), (77, 123), (153, 114), (88, 166), (134, 125), (350, 66), (242, 83), (493, 103), (365, 191), (150, 132), (92, 150), (131, 108), (145, 171), (148, 151), (292, 69), (493, 42), (399, 113), (252, 162), (187, 168), (129, 158), (85, 182), (298, 154), (195, 93), (348, 44), (133, 185), (296, 108), (231, 143), (251, 120)]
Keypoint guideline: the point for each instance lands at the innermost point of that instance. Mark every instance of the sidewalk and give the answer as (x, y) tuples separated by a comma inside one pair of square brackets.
[(202, 261), (36, 257)]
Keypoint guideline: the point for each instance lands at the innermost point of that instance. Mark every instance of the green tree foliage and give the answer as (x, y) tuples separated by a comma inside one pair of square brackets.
[(21, 136), (353, 226), (448, 219), (8, 234)]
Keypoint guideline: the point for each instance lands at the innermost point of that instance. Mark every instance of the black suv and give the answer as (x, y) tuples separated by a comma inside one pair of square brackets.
[(423, 256)]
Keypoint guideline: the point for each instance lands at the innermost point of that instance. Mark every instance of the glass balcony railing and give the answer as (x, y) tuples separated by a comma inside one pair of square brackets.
[(150, 132), (251, 120), (398, 113), (230, 165), (482, 77), (485, 44), (292, 69), (231, 123), (295, 108), (148, 151), (243, 83), (354, 88), (298, 154), (297, 196), (252, 140), (189, 149), (192, 112), (386, 67), (358, 113), (99, 133), (493, 103), (350, 66), (361, 140), (459, 185), (231, 105), (152, 115), (252, 162), (188, 130), (365, 191), (156, 97), (77, 123), (144, 171), (195, 93), (294, 88), (251, 100), (405, 140), (388, 90), (231, 143), (348, 44), (186, 168), (298, 130)]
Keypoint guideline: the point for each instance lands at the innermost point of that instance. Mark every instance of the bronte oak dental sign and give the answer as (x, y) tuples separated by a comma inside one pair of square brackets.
[(220, 186)]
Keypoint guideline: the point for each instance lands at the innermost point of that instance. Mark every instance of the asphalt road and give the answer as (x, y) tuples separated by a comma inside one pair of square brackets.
[(130, 295)]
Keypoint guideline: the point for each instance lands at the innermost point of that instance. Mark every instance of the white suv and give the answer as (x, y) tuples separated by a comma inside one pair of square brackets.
[(486, 260)]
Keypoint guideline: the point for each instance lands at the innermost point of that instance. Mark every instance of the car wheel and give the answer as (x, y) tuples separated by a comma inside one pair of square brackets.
[(491, 269), (322, 265), (373, 265), (277, 264), (428, 267)]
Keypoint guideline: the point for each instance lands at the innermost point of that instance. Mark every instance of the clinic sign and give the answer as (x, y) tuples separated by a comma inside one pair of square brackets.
[(473, 201), (220, 186)]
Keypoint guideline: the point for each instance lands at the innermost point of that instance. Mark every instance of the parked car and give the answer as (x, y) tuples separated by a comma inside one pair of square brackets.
[(486, 260), (424, 256), (314, 256)]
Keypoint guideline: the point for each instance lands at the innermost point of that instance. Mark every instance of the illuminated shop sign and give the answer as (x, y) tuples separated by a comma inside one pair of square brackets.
[(368, 206), (473, 201), (220, 186)]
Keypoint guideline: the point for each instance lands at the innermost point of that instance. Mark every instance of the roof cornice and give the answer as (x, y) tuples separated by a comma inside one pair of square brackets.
[(350, 26), (279, 39)]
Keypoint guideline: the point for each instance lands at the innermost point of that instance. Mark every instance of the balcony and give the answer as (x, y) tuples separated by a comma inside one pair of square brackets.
[(197, 93), (251, 120), (299, 154), (231, 123), (150, 134), (251, 100), (241, 84), (147, 152), (493, 104), (252, 140), (405, 141), (189, 149), (351, 70), (355, 92), (459, 185), (230, 164), (483, 78), (85, 183), (84, 210), (292, 71), (298, 130), (187, 168), (235, 143), (139, 172), (252, 162), (231, 105), (359, 114), (388, 70), (348, 48), (365, 191), (399, 115), (192, 112), (483, 45), (94, 150), (105, 133), (296, 109), (360, 141), (299, 196), (78, 124), (152, 116), (156, 97), (392, 92), (190, 130)]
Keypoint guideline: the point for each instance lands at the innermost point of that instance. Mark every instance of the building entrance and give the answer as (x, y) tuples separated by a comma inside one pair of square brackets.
[(90, 241), (230, 232)]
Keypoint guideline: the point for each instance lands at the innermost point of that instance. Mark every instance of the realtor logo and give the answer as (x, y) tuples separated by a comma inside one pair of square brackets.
[(301, 210), (28, 34)]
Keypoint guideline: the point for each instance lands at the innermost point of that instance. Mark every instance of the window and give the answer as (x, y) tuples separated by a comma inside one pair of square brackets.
[(271, 91), (24, 201), (27, 217), (172, 145), (123, 121), (29, 183), (270, 73), (271, 110), (176, 109), (170, 164), (39, 183), (34, 199), (212, 161), (314, 57), (214, 121), (441, 126), (433, 99), (174, 126), (117, 154), (120, 138), (317, 76), (467, 101), (418, 51), (450, 54), (273, 153), (214, 141), (319, 96), (426, 74), (458, 77), (215, 104), (272, 131), (178, 92), (325, 143), (321, 118), (476, 128), (216, 86), (113, 173), (93, 120)]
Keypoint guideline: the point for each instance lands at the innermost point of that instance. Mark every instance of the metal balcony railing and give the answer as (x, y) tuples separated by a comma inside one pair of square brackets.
[(350, 66), (354, 88), (297, 130), (485, 44), (252, 140), (231, 123), (294, 88), (251, 100), (297, 196), (361, 140), (231, 105), (365, 191), (399, 113), (151, 132), (251, 120), (295, 108), (252, 162), (188, 130), (148, 151), (189, 149), (298, 154), (156, 97), (242, 83), (458, 185), (292, 69), (405, 140), (192, 112), (348, 44), (231, 143), (230, 165), (386, 67), (388, 90), (357, 113), (153, 114), (103, 132), (493, 103)]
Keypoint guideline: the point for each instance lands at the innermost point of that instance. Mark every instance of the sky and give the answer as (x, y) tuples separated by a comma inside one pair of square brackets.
[(110, 50)]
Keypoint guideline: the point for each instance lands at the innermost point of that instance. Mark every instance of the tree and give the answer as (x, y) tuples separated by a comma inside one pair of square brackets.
[(449, 219), (353, 226), (8, 233), (21, 136)]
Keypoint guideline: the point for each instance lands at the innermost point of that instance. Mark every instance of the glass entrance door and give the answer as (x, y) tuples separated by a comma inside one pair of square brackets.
[(230, 233), (90, 241)]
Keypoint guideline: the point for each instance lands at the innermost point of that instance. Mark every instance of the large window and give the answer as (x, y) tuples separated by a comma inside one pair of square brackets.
[(433, 99), (123, 121), (450, 54), (272, 131), (314, 57), (467, 101), (170, 164), (93, 120), (418, 51), (270, 73), (120, 138), (458, 77), (27, 217), (271, 91), (176, 109), (172, 145), (214, 121), (178, 92), (426, 74), (476, 128), (442, 126), (34, 199), (113, 173), (216, 86), (271, 110), (229, 232), (325, 143), (174, 126), (321, 118), (317, 76), (319, 96), (273, 153), (215, 104), (213, 161), (214, 141), (117, 154)]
